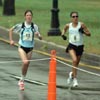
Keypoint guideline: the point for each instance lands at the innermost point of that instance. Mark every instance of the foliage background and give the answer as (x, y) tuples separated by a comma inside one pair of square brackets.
[(89, 13)]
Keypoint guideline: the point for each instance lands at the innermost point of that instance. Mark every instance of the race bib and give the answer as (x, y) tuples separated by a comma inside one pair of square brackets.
[(27, 36), (75, 38)]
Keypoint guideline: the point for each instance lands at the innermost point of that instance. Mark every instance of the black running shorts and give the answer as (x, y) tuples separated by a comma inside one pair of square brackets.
[(78, 49), (27, 50)]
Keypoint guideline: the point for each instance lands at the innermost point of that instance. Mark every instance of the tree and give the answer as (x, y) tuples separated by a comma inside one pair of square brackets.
[(9, 7), (0, 2)]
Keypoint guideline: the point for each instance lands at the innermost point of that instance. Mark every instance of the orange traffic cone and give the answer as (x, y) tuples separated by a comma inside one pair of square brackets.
[(52, 77)]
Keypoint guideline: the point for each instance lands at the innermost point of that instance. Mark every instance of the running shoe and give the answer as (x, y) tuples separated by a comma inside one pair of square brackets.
[(75, 83), (70, 78), (21, 85)]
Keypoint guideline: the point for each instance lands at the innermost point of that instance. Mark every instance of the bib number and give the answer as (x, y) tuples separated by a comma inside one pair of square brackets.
[(27, 36), (75, 38)]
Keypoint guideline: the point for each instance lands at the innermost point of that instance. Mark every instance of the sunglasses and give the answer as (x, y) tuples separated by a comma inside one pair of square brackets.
[(74, 16)]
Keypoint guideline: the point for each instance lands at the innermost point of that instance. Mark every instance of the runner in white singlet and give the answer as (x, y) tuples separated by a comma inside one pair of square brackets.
[(76, 31)]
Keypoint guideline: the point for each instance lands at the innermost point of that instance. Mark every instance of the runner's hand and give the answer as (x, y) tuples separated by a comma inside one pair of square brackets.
[(12, 42), (81, 30), (40, 37), (64, 37)]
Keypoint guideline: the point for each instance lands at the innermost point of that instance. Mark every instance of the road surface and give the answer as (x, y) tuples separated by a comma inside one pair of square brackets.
[(36, 87)]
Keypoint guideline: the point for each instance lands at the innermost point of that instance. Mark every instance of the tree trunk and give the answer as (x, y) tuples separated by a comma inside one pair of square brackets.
[(9, 7), (0, 2)]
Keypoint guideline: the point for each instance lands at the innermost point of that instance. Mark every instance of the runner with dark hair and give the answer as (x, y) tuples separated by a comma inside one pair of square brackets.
[(75, 47), (26, 31)]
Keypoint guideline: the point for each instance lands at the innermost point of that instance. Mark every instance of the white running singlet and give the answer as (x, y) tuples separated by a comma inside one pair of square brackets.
[(75, 37)]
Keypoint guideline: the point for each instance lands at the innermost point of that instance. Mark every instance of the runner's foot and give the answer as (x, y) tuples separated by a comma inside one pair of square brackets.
[(75, 83), (70, 78), (21, 85)]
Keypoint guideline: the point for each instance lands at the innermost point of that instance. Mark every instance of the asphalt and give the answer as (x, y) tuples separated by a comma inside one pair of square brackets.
[(36, 83)]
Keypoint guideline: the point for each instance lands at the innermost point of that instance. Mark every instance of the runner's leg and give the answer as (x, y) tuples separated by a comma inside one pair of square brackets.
[(74, 62), (25, 61)]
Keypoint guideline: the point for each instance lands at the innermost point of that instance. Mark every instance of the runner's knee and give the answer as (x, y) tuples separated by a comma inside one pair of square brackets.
[(75, 61), (25, 62)]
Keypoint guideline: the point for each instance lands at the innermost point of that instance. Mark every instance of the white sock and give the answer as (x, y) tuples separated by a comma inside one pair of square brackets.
[(75, 79)]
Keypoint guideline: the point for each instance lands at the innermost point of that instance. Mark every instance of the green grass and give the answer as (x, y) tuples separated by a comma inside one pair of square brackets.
[(88, 11)]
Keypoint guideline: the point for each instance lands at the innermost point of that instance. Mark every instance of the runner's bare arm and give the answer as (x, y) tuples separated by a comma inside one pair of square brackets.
[(65, 29), (11, 36), (37, 32), (38, 35), (86, 31)]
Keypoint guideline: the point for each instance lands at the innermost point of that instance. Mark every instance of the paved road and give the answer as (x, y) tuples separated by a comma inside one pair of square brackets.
[(89, 88), (10, 65)]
